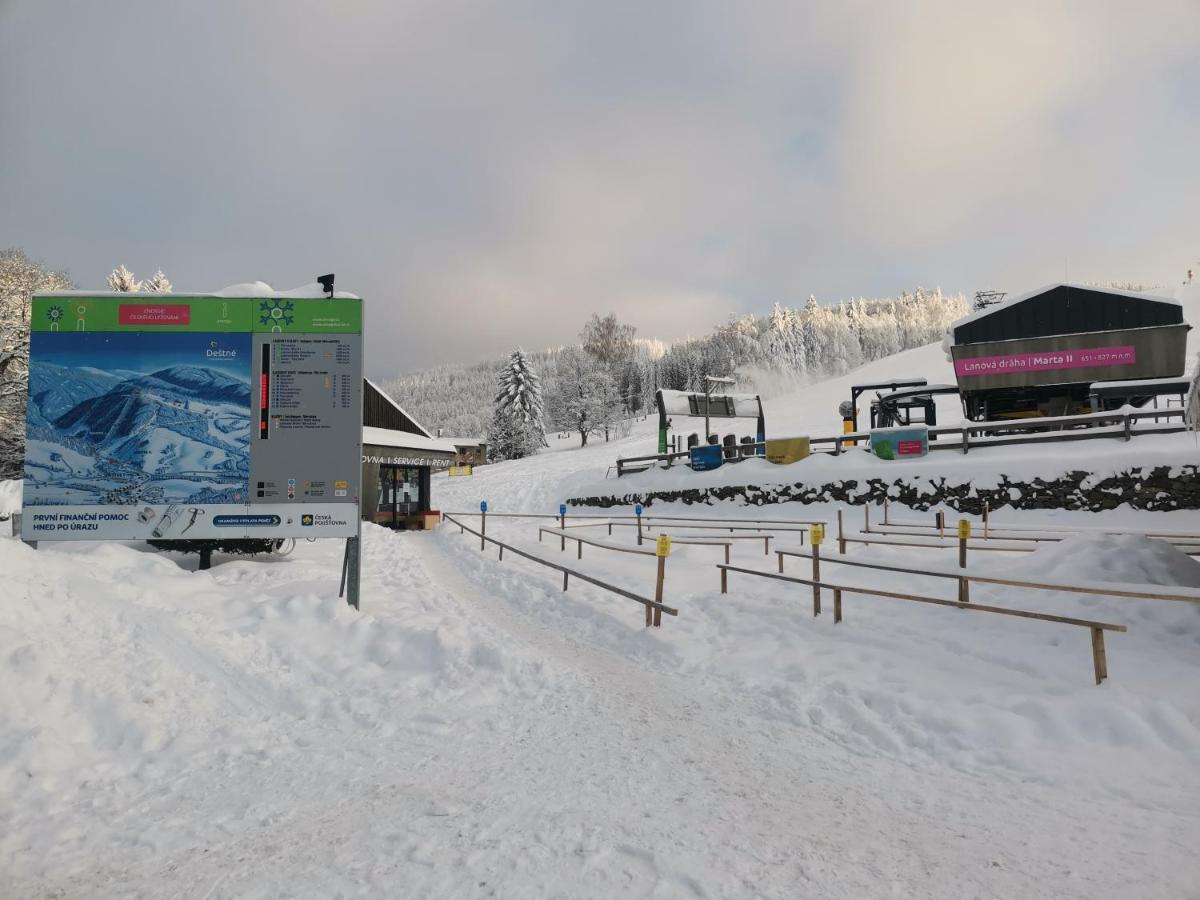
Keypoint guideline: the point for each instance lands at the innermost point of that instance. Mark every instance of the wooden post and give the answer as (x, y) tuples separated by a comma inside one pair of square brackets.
[(986, 510), (501, 546), (885, 512), (1099, 660), (639, 518), (580, 554), (562, 523), (867, 517), (482, 530), (837, 605), (727, 546), (658, 590), (779, 553), (941, 523), (724, 581), (841, 536), (767, 546), (610, 527), (564, 581), (816, 558), (964, 532)]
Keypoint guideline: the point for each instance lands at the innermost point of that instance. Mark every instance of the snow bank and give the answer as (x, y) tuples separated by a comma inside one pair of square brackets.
[(312, 291), (10, 497), (1126, 559)]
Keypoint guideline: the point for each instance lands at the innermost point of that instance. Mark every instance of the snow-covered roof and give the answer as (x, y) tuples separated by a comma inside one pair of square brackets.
[(465, 441), (405, 440), (250, 290), (1143, 383), (400, 409), (1021, 298), (677, 402)]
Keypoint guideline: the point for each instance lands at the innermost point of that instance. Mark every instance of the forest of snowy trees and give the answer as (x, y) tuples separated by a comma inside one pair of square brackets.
[(618, 373)]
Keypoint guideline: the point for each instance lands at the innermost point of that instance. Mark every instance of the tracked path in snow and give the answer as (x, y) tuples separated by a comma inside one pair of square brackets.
[(496, 737)]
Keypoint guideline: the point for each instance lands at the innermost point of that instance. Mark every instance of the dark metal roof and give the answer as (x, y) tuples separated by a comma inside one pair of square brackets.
[(1067, 309)]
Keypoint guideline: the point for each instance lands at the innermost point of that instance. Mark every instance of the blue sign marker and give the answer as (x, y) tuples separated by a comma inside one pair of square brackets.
[(562, 509), (637, 510), (483, 506), (706, 457)]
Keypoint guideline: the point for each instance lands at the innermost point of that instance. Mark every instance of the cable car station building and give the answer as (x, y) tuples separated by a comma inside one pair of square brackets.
[(398, 457)]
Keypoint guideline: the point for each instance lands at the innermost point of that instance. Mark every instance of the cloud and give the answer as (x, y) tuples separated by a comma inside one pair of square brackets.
[(489, 175)]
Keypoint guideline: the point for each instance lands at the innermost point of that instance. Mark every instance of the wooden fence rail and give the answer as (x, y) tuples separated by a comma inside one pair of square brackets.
[(1051, 533), (567, 573), (1096, 589), (1097, 629), (623, 548)]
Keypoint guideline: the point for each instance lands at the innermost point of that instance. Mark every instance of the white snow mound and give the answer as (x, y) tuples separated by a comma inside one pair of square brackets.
[(10, 497), (1125, 559)]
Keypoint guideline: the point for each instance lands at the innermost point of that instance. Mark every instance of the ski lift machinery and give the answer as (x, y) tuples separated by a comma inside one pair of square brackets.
[(693, 404)]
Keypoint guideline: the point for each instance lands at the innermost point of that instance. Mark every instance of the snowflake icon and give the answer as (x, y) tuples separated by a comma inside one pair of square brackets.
[(276, 312), (54, 313)]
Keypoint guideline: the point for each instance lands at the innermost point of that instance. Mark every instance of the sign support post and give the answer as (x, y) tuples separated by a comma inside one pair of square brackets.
[(662, 549), (964, 532), (817, 533)]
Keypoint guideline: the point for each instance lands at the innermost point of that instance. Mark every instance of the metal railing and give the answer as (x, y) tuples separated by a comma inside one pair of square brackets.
[(1119, 423)]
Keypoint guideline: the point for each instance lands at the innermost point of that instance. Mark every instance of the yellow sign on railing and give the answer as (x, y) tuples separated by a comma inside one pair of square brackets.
[(964, 529), (459, 470), (816, 534), (662, 546)]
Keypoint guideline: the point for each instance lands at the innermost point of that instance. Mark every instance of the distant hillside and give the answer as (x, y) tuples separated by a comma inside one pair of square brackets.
[(767, 353)]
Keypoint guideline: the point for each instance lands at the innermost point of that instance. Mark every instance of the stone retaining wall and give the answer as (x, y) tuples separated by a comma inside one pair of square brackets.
[(1157, 488)]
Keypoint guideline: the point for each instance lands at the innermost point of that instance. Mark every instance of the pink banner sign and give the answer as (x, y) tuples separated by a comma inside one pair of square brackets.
[(1047, 360), (155, 314)]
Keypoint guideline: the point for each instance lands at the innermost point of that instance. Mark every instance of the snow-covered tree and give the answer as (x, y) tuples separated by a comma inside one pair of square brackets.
[(158, 283), (519, 394), (122, 280), (610, 342), (20, 277), (506, 439), (585, 395)]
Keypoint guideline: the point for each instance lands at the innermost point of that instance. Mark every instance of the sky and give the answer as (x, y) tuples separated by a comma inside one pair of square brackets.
[(488, 175)]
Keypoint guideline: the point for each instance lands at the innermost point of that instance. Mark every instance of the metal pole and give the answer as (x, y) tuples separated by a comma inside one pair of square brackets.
[(482, 530), (816, 558), (345, 566), (354, 567), (562, 523), (658, 590)]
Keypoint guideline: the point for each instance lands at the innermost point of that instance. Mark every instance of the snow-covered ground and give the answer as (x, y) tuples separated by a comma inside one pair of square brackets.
[(477, 732)]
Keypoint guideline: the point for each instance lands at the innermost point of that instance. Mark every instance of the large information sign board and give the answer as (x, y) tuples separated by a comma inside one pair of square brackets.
[(192, 416)]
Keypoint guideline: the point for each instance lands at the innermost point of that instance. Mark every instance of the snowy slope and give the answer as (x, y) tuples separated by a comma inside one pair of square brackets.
[(476, 731)]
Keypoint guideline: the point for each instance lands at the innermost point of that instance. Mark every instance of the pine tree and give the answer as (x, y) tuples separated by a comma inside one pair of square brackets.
[(519, 394), (158, 284), (504, 439), (122, 280)]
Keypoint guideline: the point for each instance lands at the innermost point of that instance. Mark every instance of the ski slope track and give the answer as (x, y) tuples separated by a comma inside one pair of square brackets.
[(478, 732)]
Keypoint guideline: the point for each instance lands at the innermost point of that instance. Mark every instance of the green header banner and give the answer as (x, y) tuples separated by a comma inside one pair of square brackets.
[(163, 312)]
